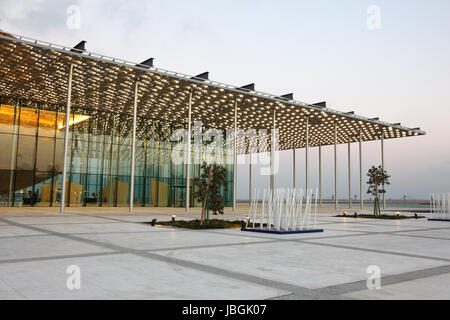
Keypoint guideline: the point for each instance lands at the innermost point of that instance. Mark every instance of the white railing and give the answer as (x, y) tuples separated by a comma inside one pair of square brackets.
[(440, 205), (284, 209)]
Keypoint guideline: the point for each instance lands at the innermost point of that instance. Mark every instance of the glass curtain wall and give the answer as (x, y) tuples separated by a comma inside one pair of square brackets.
[(99, 159)]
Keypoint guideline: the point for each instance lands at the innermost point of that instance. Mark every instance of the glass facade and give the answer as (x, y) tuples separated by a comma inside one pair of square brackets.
[(99, 159)]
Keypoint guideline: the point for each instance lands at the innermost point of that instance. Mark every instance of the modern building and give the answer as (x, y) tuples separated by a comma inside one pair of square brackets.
[(82, 129)]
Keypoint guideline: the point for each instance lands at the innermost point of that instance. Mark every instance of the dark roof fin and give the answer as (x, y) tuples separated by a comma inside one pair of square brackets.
[(288, 96), (350, 112), (147, 63), (397, 124), (322, 104), (418, 128), (247, 87), (202, 76), (375, 119), (80, 47)]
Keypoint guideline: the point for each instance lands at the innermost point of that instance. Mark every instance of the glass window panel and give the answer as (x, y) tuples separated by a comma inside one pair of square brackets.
[(28, 121), (79, 154), (125, 160), (26, 153), (6, 156), (45, 152), (95, 157), (4, 188), (7, 114), (43, 188), (59, 154), (23, 191), (47, 123)]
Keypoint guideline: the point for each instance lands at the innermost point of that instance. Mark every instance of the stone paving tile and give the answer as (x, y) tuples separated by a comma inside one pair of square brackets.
[(302, 264), (122, 276), (430, 288), (43, 246)]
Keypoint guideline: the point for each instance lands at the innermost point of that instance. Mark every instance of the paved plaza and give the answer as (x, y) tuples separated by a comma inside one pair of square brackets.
[(121, 258)]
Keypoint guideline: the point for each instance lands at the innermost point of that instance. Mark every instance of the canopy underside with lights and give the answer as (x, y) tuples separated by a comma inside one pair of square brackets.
[(38, 71)]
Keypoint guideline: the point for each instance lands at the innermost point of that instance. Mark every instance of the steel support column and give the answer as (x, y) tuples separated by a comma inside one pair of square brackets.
[(361, 198), (349, 177), (66, 140), (320, 175), (306, 153), (272, 152), (336, 205), (188, 153), (133, 146), (250, 180), (382, 166), (235, 155), (293, 168)]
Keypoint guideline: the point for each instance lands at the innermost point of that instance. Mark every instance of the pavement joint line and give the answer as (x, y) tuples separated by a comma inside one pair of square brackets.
[(304, 292), (61, 257), (372, 250), (386, 280), (398, 233)]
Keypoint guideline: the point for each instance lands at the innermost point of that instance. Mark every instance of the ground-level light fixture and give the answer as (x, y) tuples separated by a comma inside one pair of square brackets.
[(173, 217)]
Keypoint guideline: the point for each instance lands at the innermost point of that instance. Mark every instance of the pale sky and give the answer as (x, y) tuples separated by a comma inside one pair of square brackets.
[(319, 50)]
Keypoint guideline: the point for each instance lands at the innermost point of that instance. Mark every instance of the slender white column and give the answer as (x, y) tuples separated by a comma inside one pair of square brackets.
[(349, 178), (361, 200), (250, 180), (272, 153), (335, 169), (306, 153), (293, 168), (235, 155), (66, 140), (133, 147), (382, 166), (320, 176), (188, 155)]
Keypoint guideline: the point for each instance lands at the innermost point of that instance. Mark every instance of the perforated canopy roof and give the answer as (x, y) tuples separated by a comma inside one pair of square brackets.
[(38, 71)]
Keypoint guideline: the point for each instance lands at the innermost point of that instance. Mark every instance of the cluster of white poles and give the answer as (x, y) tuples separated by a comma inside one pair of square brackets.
[(440, 205), (284, 209)]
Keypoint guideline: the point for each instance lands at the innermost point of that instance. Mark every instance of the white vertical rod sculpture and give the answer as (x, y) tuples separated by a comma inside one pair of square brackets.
[(272, 152), (320, 176), (235, 155), (382, 166), (66, 140), (188, 153), (361, 199), (306, 152), (349, 178), (336, 205), (293, 168), (431, 204), (133, 146), (448, 204), (255, 207), (250, 180), (263, 207), (315, 211)]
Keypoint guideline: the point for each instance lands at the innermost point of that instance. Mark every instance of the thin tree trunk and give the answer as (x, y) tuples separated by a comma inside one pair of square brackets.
[(202, 220), (376, 201)]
